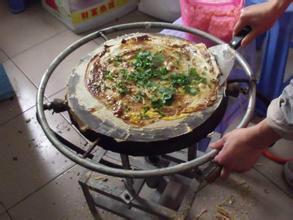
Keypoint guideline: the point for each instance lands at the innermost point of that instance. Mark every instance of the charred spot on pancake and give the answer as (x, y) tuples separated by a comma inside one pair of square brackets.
[(105, 50), (143, 38)]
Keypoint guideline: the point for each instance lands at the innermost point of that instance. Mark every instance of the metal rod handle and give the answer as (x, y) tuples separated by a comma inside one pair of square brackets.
[(133, 173)]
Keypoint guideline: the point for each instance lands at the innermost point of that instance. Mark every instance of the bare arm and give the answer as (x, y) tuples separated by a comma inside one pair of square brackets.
[(241, 148)]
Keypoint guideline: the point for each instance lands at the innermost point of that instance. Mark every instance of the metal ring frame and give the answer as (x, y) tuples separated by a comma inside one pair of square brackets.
[(134, 173)]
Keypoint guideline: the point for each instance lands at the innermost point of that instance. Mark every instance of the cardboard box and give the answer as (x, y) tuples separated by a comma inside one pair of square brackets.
[(81, 15)]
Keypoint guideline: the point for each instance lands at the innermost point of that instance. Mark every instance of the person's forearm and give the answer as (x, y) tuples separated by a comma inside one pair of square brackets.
[(281, 5), (265, 135)]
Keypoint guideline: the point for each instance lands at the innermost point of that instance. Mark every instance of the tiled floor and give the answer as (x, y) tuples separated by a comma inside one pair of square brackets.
[(37, 182), (249, 196)]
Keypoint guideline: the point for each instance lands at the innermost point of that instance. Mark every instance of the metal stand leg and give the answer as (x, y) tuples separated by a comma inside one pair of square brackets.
[(188, 199), (126, 165), (89, 199), (192, 152), (127, 194), (126, 200)]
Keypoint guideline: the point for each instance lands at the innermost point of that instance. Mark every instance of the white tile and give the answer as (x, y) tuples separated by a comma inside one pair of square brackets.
[(36, 60), (25, 93), (3, 57), (2, 209), (243, 196), (4, 216), (60, 199), (134, 16), (27, 158), (274, 171), (283, 148), (21, 31)]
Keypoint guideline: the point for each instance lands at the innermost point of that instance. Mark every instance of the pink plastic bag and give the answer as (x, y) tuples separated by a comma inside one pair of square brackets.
[(217, 17)]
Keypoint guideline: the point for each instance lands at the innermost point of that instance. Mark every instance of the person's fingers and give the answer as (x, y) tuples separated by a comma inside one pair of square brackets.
[(238, 27), (218, 158), (218, 144), (225, 172), (248, 39), (240, 23)]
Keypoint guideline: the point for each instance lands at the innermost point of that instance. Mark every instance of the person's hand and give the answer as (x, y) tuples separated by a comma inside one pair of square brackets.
[(241, 148), (260, 18)]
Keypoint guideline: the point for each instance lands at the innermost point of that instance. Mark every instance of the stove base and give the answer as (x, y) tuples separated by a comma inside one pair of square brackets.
[(171, 200)]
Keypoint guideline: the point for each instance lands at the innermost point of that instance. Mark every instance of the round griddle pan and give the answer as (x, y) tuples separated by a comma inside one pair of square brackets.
[(138, 148)]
